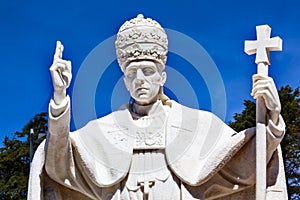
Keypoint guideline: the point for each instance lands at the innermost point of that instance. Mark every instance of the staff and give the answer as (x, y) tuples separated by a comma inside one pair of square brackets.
[(262, 46)]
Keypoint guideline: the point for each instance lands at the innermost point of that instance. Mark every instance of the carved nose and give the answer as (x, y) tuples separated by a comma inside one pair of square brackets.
[(140, 75)]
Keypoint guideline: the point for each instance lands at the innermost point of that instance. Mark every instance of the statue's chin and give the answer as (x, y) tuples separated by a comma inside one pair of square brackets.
[(144, 99)]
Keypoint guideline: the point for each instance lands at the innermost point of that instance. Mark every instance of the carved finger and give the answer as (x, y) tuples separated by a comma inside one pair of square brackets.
[(59, 63), (66, 78), (257, 77), (58, 51), (268, 99), (263, 90), (65, 74), (57, 80), (59, 66), (260, 85), (68, 66), (59, 60)]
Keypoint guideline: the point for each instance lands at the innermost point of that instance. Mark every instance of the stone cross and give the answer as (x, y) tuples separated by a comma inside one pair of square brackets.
[(146, 184), (262, 46)]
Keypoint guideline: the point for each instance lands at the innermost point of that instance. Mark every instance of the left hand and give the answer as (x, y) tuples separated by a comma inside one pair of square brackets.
[(264, 87)]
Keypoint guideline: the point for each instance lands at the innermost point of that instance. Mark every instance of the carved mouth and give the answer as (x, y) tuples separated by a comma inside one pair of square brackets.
[(142, 89)]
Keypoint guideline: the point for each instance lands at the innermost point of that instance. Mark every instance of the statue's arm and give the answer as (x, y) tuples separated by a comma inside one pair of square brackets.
[(58, 158), (241, 168), (264, 87)]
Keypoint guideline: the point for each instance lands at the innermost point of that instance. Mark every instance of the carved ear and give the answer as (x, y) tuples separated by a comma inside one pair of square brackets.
[(164, 78)]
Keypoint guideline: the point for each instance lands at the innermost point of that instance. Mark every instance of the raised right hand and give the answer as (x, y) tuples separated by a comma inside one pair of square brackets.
[(61, 74)]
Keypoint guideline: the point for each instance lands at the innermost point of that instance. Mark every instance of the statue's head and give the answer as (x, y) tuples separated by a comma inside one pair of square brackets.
[(141, 48)]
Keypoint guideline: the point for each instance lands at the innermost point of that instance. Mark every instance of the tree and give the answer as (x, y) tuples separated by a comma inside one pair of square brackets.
[(291, 143), (290, 103), (15, 161)]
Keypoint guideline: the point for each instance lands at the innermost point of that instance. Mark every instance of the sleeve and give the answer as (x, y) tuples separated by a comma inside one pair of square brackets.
[(240, 169), (64, 178), (58, 151)]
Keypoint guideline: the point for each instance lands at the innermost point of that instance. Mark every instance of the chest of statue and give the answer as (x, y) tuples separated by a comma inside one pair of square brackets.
[(150, 178), (149, 132)]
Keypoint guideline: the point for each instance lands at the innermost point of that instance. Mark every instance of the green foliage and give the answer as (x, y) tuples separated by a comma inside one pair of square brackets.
[(291, 144), (290, 103), (245, 119), (15, 161)]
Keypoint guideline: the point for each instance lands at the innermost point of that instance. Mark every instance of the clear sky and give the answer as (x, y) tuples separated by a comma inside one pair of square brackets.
[(29, 30)]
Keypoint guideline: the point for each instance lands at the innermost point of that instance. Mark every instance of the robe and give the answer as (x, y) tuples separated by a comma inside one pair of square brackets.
[(193, 154)]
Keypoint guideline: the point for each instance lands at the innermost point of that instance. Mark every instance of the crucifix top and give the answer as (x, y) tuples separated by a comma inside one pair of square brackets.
[(263, 45), (146, 184)]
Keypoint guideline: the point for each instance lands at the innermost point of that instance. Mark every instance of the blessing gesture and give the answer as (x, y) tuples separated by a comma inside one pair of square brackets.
[(61, 74)]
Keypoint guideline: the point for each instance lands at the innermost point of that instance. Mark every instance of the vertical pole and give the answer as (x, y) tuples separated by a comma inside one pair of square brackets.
[(261, 47), (261, 141)]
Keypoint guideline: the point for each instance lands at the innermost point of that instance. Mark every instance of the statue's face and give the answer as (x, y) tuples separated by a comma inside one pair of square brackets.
[(143, 79)]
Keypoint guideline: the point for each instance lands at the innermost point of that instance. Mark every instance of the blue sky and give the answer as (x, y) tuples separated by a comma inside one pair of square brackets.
[(29, 30)]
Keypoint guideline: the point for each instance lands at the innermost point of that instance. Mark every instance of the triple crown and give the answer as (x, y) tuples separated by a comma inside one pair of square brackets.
[(141, 39)]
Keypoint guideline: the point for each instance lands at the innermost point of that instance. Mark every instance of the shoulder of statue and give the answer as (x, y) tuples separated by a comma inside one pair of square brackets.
[(177, 107), (115, 117)]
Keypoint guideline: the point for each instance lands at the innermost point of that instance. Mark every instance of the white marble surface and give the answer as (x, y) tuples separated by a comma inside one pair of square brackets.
[(153, 148)]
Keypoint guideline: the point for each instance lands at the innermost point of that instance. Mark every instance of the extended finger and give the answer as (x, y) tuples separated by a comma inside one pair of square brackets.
[(59, 60), (58, 50)]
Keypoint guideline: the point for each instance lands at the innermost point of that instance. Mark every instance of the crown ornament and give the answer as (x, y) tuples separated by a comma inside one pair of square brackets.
[(141, 39)]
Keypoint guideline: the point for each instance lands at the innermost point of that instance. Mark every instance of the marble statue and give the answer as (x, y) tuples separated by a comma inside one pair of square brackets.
[(153, 147)]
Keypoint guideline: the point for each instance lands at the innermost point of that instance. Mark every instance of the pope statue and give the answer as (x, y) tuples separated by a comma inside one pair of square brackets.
[(152, 148)]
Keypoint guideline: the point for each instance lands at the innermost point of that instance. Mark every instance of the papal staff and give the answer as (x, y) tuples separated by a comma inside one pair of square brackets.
[(262, 46)]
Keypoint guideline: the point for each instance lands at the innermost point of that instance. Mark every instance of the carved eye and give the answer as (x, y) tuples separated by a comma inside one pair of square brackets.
[(130, 73), (148, 71)]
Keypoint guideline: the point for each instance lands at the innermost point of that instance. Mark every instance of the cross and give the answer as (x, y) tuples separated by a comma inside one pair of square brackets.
[(262, 46), (146, 184)]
